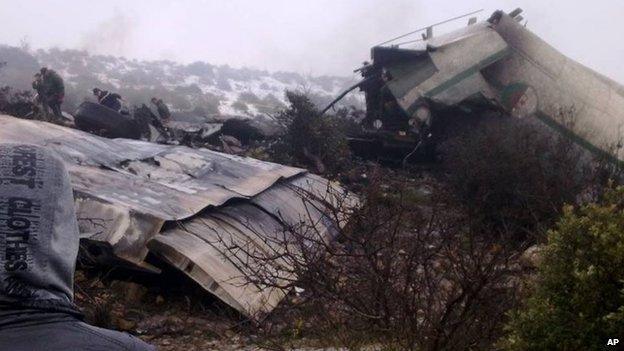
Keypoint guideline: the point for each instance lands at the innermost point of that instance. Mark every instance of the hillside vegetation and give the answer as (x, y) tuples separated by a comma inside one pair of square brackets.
[(201, 87)]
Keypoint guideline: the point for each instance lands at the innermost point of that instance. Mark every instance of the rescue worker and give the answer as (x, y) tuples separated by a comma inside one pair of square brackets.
[(145, 117), (39, 244), (108, 99), (52, 91), (37, 86), (37, 83), (163, 110)]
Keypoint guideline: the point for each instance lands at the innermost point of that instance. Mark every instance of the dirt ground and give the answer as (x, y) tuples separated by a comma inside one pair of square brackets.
[(169, 311), (172, 312)]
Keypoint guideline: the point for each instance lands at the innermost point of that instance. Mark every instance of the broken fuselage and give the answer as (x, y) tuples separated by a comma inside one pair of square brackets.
[(498, 64)]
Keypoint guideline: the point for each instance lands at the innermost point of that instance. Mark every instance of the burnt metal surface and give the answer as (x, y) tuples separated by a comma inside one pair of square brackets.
[(126, 190), (168, 182), (101, 120)]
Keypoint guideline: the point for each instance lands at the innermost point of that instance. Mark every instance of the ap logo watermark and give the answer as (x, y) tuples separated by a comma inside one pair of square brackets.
[(613, 342)]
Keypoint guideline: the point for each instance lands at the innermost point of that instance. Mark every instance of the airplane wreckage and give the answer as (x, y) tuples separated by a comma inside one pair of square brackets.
[(135, 197), (497, 65), (182, 205)]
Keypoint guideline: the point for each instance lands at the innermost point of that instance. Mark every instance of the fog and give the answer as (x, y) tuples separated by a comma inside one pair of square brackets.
[(310, 37)]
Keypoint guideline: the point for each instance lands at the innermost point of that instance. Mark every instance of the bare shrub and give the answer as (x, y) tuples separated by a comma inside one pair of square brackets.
[(15, 103), (311, 140), (414, 273), (403, 273), (515, 177)]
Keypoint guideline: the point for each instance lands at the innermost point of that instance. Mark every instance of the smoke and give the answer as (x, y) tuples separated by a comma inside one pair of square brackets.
[(332, 37), (114, 36), (318, 37)]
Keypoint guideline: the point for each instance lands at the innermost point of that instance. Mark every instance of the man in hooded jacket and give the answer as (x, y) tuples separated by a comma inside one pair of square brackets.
[(38, 249)]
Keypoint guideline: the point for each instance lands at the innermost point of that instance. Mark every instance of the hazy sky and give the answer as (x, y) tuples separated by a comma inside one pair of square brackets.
[(311, 37)]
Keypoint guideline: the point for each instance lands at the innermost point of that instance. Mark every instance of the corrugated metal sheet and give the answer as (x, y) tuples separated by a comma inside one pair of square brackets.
[(200, 246), (126, 190), (146, 183)]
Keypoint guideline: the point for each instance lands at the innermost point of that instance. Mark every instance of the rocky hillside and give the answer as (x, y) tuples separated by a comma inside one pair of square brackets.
[(201, 87)]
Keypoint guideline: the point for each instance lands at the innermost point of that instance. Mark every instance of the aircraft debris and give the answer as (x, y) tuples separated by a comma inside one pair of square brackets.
[(496, 65), (180, 129), (101, 120), (134, 197)]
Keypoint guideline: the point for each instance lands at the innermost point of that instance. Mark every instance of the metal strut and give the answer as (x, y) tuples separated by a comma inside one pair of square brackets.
[(343, 95), (430, 26)]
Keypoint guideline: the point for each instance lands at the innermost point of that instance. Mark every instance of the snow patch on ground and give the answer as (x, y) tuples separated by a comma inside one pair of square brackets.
[(233, 91)]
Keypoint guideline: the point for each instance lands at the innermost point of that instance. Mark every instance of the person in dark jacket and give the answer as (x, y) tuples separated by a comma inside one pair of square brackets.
[(38, 249), (37, 86), (144, 117), (52, 90), (163, 110), (108, 99)]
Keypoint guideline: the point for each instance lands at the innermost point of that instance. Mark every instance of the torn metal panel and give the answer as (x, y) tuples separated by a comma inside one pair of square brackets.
[(191, 127), (458, 60), (539, 81), (256, 226), (123, 229), (202, 246), (126, 190), (195, 178), (146, 184), (286, 204), (209, 262), (190, 131), (331, 195), (205, 264), (187, 180)]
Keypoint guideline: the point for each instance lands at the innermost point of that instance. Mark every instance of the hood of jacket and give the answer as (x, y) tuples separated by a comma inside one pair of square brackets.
[(38, 228)]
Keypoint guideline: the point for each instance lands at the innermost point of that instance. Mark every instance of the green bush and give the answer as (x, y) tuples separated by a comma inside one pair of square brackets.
[(577, 298)]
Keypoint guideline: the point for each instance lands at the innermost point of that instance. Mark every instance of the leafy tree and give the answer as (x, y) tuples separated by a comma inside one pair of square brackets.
[(577, 300)]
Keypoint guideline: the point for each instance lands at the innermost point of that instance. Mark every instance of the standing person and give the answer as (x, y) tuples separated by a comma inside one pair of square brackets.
[(163, 110), (53, 90), (38, 248), (37, 85), (145, 117)]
